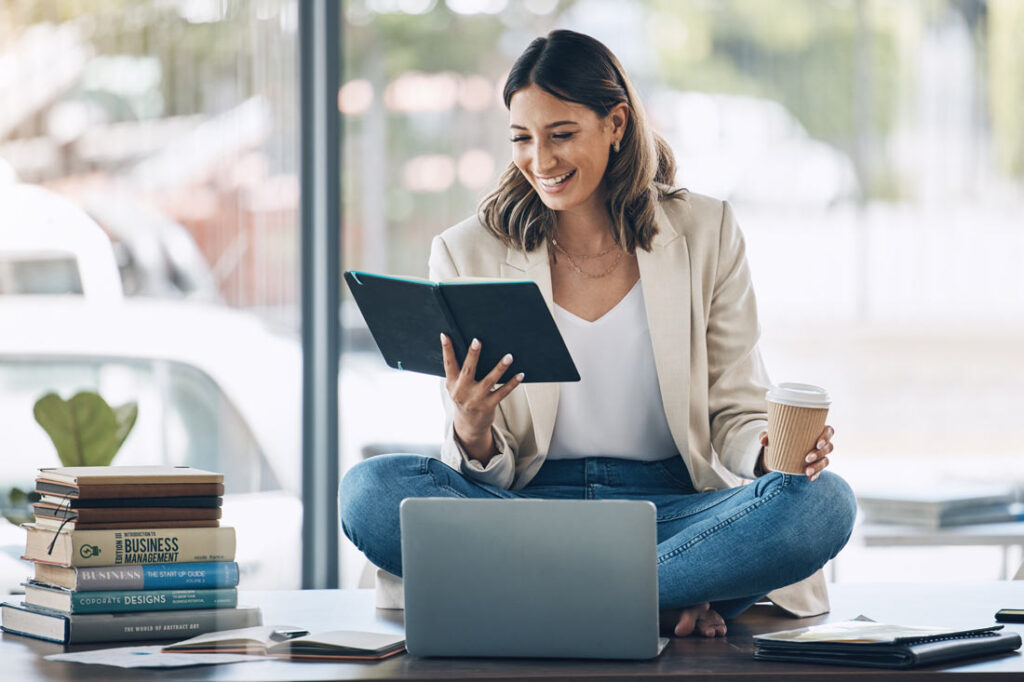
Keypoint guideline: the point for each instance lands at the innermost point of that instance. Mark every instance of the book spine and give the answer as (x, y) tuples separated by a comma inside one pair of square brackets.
[(198, 575), (152, 600), (157, 576), (151, 546), (127, 627), (460, 344)]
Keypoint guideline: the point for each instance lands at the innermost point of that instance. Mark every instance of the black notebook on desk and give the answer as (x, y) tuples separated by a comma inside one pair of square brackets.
[(407, 316), (865, 643)]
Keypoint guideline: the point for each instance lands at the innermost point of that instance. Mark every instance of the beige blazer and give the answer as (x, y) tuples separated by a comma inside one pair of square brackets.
[(703, 322)]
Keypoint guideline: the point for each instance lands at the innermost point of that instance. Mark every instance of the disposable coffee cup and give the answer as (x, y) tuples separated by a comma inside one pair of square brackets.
[(796, 417)]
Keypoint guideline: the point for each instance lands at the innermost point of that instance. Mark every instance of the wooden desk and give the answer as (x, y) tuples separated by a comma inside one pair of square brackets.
[(730, 658)]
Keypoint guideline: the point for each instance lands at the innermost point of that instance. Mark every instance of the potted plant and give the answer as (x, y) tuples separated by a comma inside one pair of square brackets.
[(85, 430)]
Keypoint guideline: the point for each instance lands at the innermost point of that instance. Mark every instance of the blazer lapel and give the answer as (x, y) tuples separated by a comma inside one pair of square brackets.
[(665, 277), (542, 398)]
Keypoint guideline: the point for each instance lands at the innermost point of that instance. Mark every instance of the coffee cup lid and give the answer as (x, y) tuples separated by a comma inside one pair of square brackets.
[(799, 395)]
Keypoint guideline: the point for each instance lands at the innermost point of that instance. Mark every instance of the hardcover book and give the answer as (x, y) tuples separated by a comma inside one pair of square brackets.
[(129, 546), (25, 620), (406, 317), (63, 600), (126, 475), (281, 641), (69, 525), (140, 515), (130, 490), (141, 577), (189, 501)]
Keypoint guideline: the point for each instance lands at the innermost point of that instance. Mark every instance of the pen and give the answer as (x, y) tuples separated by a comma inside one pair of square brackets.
[(284, 634)]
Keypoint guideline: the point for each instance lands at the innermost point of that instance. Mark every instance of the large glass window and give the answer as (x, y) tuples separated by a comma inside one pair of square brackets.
[(872, 150), (149, 246), (873, 153)]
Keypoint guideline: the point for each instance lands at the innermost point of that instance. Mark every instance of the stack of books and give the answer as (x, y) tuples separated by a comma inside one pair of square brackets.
[(127, 554), (942, 505)]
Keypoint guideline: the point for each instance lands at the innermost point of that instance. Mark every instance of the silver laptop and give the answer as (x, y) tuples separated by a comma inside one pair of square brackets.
[(530, 578)]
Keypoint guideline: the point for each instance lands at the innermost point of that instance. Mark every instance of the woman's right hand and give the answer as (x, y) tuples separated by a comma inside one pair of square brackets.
[(476, 402)]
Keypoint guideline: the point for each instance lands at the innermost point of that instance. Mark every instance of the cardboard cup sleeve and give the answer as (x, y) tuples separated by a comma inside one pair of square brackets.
[(792, 433)]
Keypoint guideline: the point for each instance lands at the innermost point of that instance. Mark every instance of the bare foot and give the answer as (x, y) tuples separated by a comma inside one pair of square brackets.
[(710, 624), (699, 619)]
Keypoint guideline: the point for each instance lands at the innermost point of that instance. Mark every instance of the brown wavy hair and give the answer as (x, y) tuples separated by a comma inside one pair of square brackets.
[(577, 68)]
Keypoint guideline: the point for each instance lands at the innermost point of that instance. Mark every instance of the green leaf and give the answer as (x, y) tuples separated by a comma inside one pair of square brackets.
[(125, 415), (85, 430), (19, 506), (54, 414), (17, 497)]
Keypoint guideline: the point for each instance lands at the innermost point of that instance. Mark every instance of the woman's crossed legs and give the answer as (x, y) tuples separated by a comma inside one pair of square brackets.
[(726, 548)]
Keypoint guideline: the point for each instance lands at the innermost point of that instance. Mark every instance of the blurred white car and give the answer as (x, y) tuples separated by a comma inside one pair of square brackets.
[(102, 244), (216, 390), (50, 246), (156, 255)]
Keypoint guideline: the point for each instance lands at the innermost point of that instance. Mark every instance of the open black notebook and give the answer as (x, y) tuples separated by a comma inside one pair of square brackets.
[(862, 642), (406, 317)]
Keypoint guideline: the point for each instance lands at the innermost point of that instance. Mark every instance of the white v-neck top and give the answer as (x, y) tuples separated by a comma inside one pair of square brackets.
[(615, 410)]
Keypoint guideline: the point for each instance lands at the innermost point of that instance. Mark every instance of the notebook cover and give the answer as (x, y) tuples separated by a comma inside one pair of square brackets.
[(325, 646), (511, 317), (339, 657), (406, 318), (908, 654), (340, 643)]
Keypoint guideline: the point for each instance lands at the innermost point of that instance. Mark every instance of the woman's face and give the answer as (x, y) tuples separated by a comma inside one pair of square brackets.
[(561, 147)]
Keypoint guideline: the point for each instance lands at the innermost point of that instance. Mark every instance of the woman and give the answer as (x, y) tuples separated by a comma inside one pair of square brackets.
[(650, 288)]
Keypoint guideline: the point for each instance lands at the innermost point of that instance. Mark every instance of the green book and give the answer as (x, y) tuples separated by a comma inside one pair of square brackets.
[(64, 600)]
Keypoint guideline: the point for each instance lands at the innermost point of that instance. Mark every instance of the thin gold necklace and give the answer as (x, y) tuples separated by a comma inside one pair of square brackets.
[(584, 256), (576, 266)]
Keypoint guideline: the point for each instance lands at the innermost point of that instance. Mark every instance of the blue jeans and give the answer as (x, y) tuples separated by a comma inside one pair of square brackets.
[(728, 547)]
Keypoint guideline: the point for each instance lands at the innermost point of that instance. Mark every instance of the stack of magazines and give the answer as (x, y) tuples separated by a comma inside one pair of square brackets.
[(128, 553), (942, 505)]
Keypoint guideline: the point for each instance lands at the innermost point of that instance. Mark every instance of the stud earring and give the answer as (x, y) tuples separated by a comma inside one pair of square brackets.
[(615, 147)]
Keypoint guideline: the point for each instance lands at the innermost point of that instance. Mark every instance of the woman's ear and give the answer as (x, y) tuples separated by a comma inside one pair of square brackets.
[(618, 117)]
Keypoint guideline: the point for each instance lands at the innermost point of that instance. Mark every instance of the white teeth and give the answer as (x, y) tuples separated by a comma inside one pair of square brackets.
[(551, 182)]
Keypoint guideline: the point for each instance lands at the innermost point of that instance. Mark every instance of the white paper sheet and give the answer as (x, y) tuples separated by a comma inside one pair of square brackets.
[(860, 629), (148, 657)]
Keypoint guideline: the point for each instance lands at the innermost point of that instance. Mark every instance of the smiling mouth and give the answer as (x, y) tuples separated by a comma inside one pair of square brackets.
[(557, 180)]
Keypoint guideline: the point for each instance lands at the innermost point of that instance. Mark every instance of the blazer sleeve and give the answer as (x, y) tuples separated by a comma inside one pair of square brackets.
[(500, 470), (737, 378)]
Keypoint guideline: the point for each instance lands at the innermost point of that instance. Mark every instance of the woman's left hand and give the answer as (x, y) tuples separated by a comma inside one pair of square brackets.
[(817, 459)]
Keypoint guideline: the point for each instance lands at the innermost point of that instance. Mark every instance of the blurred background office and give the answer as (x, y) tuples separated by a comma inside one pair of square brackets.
[(873, 150)]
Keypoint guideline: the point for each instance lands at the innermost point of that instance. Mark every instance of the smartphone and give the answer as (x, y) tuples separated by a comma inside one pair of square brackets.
[(1010, 615)]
